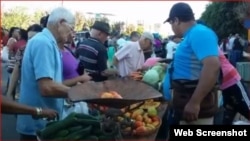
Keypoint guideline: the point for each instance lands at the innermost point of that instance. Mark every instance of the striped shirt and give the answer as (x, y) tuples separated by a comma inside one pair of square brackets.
[(93, 58)]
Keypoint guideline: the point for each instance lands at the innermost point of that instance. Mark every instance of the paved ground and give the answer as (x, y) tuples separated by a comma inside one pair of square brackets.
[(8, 121)]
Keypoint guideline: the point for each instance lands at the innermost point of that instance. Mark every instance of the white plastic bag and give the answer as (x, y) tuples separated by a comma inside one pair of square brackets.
[(5, 54), (79, 107), (245, 54), (239, 122)]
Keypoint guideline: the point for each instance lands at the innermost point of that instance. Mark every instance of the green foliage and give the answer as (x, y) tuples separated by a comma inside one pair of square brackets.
[(37, 16), (16, 17), (79, 21), (130, 28), (140, 29), (223, 19)]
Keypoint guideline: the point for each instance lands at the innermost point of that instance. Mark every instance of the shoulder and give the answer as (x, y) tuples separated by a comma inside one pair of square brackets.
[(202, 31), (39, 41)]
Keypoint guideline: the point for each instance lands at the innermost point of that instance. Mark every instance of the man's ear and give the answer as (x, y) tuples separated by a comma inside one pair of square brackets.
[(177, 21)]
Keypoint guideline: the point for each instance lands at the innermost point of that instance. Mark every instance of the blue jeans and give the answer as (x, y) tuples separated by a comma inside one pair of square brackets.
[(235, 56)]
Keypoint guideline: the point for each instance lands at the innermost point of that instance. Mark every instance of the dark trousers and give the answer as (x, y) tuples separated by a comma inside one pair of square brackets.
[(235, 100), (27, 137), (235, 56)]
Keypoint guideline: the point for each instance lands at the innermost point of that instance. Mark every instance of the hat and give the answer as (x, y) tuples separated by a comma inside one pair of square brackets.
[(149, 36), (180, 10), (102, 26)]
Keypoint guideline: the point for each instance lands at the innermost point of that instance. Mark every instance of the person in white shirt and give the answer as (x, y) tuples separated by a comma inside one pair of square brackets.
[(171, 46), (131, 57), (231, 42)]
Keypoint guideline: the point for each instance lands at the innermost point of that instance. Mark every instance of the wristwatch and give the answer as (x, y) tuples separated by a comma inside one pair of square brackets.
[(38, 111)]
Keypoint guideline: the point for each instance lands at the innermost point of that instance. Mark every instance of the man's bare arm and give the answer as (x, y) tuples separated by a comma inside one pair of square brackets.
[(49, 88), (209, 76)]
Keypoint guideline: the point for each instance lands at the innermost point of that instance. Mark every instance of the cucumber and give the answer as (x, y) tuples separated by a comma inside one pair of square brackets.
[(103, 137), (51, 130), (51, 123), (85, 122), (85, 116), (74, 129), (82, 132), (97, 132), (62, 133), (91, 138)]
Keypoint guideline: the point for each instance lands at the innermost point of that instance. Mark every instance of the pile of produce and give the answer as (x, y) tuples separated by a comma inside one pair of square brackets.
[(80, 127), (105, 123), (154, 76), (142, 121), (109, 94)]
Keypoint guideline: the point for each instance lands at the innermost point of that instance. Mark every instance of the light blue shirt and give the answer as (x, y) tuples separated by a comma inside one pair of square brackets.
[(42, 59), (199, 43)]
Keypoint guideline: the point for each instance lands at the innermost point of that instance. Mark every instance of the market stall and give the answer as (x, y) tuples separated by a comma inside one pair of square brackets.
[(118, 109)]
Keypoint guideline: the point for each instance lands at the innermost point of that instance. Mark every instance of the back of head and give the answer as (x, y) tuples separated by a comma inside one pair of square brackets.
[(35, 28), (61, 14), (44, 21), (23, 34), (134, 34)]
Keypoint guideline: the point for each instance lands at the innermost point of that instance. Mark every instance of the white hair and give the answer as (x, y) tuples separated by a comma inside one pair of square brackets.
[(61, 13)]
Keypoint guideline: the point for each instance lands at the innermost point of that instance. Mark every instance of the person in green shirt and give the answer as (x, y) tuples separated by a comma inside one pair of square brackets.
[(111, 51)]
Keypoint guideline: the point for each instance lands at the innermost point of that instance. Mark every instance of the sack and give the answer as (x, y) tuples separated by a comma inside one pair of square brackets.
[(182, 93), (79, 107), (5, 54)]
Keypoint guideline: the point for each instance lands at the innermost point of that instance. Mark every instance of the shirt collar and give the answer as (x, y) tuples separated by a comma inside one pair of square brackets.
[(49, 34), (189, 30), (94, 39)]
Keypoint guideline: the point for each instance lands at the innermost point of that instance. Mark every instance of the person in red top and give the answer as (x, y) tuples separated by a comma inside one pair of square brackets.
[(21, 41)]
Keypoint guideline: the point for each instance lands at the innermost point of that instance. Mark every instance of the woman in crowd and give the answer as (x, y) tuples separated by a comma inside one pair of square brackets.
[(15, 76), (70, 66), (14, 35), (12, 107), (236, 98)]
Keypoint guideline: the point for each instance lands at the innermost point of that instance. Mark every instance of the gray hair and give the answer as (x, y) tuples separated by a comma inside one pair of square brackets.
[(61, 13)]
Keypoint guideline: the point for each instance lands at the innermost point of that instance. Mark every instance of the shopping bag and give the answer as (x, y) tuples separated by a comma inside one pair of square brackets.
[(5, 54), (79, 107)]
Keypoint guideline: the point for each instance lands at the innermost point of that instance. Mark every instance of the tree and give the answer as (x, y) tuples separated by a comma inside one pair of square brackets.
[(89, 21), (129, 28), (15, 17), (79, 21), (243, 10), (140, 29), (37, 16), (222, 18)]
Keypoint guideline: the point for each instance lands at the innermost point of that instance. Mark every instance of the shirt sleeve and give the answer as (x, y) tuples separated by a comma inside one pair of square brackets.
[(204, 43), (42, 53), (123, 52), (102, 60)]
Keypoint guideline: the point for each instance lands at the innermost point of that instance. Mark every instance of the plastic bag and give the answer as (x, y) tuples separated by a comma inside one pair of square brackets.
[(5, 54), (79, 107), (239, 122)]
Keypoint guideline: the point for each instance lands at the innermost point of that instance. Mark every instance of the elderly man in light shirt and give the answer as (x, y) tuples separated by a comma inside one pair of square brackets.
[(131, 57)]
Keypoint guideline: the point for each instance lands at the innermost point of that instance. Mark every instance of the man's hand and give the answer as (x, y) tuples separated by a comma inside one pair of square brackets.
[(47, 113), (191, 111), (85, 77)]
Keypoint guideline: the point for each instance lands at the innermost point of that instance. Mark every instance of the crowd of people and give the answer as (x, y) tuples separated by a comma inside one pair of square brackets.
[(45, 61)]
